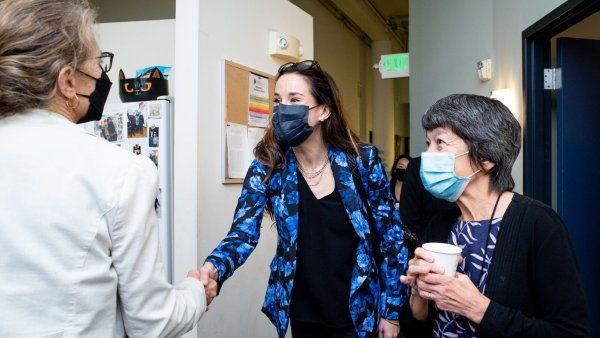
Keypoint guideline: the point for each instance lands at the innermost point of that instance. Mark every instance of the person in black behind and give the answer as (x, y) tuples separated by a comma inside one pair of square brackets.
[(417, 205), (397, 174)]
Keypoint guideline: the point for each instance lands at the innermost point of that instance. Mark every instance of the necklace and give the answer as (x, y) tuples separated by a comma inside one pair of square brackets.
[(319, 176), (315, 172)]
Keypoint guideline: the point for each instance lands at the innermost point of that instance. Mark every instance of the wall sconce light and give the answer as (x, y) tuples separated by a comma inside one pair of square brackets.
[(484, 70), (284, 46)]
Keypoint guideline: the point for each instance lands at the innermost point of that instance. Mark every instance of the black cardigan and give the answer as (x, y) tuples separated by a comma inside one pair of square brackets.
[(534, 282)]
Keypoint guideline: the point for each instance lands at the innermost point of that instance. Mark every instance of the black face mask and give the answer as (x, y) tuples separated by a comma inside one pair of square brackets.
[(291, 124), (398, 174), (97, 98)]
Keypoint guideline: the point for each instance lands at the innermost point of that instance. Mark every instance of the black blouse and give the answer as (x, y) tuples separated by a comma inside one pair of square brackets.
[(327, 245)]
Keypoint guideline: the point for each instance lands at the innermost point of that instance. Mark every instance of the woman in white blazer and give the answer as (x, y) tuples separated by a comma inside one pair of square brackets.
[(79, 249)]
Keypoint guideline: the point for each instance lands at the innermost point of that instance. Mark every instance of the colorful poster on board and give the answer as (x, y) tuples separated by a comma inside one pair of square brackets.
[(258, 101)]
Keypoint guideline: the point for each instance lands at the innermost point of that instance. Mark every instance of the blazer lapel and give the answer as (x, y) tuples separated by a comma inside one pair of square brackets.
[(289, 196), (356, 211), (350, 198)]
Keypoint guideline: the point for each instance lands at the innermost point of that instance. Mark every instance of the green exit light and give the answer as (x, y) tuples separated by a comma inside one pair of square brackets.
[(396, 62), (394, 65)]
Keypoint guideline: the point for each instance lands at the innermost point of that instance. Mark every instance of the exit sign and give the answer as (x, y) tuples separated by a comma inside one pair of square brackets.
[(393, 65)]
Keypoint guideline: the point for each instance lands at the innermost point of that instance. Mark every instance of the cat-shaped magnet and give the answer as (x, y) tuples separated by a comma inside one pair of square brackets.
[(146, 87)]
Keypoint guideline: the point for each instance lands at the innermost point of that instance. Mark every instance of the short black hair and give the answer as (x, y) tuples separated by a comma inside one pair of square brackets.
[(488, 127), (398, 160)]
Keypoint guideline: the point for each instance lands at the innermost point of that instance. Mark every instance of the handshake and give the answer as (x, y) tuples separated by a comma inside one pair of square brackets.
[(208, 276)]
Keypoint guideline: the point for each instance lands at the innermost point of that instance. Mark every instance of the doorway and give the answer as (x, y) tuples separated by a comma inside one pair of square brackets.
[(562, 114)]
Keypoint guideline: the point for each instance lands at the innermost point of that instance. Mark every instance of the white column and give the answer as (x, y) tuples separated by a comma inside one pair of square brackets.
[(185, 147), (383, 107)]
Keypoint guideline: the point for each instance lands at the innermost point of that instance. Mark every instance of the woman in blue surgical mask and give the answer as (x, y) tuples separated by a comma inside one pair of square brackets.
[(336, 272), (517, 274)]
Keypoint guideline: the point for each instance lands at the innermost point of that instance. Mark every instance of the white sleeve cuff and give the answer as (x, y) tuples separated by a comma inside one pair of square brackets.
[(195, 294)]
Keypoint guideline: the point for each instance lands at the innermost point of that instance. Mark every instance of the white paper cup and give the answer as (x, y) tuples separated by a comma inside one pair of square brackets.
[(445, 255)]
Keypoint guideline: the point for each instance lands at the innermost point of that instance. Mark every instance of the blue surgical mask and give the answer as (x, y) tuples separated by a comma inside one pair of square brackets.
[(439, 177), (291, 124)]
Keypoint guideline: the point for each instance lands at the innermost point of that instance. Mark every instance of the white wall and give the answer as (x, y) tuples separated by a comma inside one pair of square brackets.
[(146, 43), (235, 30), (185, 140), (448, 38)]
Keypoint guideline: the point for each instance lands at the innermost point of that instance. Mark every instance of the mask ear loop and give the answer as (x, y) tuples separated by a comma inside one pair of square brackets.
[(473, 174), (319, 121)]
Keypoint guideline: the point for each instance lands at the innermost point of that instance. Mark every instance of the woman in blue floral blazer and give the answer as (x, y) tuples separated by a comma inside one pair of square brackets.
[(309, 145)]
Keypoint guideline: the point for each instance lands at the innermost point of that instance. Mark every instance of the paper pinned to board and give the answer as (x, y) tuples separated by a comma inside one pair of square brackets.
[(254, 136), (238, 153)]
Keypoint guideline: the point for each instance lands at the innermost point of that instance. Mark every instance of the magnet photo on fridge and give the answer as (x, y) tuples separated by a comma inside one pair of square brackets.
[(153, 138), (137, 121)]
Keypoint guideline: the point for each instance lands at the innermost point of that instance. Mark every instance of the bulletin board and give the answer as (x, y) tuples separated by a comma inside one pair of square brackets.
[(237, 104)]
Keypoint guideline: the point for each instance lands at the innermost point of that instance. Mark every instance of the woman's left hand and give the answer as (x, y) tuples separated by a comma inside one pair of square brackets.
[(388, 328), (454, 294)]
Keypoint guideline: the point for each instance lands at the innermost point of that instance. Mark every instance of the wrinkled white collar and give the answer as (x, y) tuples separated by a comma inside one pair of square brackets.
[(43, 117)]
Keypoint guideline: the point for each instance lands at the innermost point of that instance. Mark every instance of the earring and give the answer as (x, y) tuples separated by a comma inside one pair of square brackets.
[(68, 103)]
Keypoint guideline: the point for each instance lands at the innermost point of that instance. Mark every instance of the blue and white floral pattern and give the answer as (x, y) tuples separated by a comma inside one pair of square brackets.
[(375, 291), (471, 237)]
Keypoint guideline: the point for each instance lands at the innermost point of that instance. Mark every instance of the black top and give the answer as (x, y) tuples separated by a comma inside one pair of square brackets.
[(327, 244), (417, 205), (534, 282)]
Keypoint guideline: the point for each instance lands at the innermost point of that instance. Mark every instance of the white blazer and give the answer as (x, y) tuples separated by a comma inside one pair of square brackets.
[(79, 248)]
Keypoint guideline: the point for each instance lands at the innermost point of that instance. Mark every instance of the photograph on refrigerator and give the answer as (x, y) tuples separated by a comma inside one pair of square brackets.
[(137, 118)]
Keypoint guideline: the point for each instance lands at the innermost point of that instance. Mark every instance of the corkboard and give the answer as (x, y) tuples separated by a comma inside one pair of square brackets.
[(236, 102)]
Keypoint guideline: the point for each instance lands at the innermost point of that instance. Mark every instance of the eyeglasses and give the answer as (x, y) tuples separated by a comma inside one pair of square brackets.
[(299, 66), (106, 60)]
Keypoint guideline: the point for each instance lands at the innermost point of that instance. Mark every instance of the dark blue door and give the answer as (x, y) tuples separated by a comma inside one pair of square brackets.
[(578, 167)]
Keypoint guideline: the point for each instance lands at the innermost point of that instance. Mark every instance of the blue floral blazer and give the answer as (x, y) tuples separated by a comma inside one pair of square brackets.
[(375, 289)]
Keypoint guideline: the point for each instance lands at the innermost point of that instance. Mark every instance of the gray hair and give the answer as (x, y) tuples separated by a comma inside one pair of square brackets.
[(488, 127), (37, 39)]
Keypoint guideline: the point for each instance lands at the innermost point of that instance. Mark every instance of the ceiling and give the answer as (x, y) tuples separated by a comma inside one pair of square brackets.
[(395, 8), (395, 12)]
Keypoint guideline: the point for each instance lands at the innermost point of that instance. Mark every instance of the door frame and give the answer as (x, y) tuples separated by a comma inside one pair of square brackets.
[(537, 132)]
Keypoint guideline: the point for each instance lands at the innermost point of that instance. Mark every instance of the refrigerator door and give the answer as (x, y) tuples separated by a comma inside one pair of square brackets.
[(145, 129), (161, 137)]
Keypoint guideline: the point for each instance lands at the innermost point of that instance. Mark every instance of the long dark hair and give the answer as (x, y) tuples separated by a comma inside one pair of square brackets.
[(335, 130)]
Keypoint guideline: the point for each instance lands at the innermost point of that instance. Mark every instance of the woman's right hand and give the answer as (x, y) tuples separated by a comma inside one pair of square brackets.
[(422, 264), (208, 271), (209, 275)]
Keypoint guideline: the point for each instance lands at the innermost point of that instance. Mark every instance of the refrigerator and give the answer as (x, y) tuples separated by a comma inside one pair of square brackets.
[(145, 128)]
